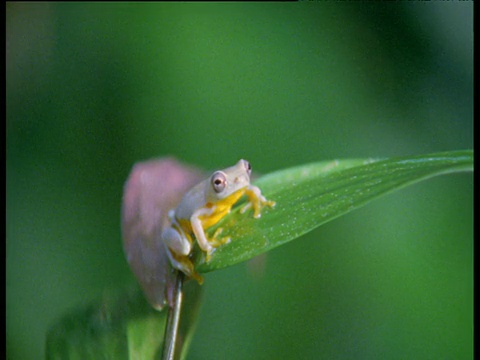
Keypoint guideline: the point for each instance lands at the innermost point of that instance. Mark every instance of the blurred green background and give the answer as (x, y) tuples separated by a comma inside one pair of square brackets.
[(94, 88)]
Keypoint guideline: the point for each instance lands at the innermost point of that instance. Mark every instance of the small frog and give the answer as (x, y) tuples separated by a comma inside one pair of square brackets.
[(203, 206)]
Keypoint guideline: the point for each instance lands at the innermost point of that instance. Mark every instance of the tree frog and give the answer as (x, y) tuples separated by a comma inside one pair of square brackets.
[(203, 206)]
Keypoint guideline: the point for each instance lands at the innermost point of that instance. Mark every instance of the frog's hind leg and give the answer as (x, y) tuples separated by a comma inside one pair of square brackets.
[(177, 241), (178, 248)]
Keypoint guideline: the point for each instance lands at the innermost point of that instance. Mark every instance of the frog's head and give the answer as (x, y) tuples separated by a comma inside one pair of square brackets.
[(225, 182)]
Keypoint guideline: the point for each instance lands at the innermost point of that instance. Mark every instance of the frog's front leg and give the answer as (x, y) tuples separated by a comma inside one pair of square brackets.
[(198, 230), (256, 200), (206, 244)]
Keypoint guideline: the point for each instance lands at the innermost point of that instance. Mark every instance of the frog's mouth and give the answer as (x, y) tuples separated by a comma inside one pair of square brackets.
[(223, 206)]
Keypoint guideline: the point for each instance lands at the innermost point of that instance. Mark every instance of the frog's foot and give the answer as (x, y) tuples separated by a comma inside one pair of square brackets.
[(184, 264), (215, 241), (195, 275), (257, 207), (190, 271), (208, 255), (257, 201), (244, 208)]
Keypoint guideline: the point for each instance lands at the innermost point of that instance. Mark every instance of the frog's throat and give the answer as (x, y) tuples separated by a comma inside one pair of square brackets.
[(220, 209)]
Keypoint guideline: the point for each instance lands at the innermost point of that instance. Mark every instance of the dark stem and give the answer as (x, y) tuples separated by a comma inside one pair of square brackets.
[(173, 320)]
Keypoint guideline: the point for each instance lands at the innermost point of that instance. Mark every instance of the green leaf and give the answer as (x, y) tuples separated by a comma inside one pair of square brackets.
[(310, 195), (122, 325)]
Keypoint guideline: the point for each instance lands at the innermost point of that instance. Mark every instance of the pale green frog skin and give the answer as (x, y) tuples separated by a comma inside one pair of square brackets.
[(203, 206)]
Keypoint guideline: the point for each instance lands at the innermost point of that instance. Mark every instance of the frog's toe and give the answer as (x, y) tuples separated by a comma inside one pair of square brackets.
[(222, 241), (245, 207), (216, 240), (270, 203), (208, 255), (195, 275), (219, 242)]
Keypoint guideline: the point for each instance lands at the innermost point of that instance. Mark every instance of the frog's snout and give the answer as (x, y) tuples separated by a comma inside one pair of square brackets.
[(241, 179)]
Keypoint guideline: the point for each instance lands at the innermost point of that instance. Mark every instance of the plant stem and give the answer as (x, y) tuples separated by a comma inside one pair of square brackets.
[(173, 320)]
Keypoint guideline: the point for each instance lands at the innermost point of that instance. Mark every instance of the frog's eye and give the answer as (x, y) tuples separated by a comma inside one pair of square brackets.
[(219, 181), (248, 167)]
